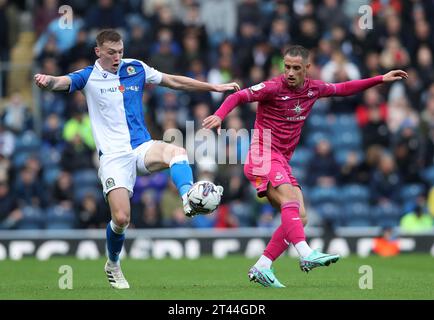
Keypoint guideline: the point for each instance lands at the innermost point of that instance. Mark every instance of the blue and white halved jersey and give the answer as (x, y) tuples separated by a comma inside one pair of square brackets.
[(115, 103)]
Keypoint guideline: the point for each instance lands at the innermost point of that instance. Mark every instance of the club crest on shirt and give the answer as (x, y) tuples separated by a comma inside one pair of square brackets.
[(310, 93), (104, 75), (279, 176), (257, 87), (131, 70)]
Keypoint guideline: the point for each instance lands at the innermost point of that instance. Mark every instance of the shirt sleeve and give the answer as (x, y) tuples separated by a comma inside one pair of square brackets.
[(261, 91), (347, 88), (79, 78), (152, 75), (326, 89)]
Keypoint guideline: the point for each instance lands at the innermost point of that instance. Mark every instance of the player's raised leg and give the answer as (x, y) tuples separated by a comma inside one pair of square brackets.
[(119, 202), (163, 155), (290, 199)]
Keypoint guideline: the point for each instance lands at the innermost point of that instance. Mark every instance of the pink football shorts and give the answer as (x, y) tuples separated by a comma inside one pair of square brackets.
[(262, 171)]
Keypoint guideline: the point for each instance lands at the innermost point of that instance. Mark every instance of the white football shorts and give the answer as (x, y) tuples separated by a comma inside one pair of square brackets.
[(119, 170)]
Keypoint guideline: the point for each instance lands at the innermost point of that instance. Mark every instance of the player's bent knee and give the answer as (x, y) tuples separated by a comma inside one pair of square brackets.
[(178, 151), (173, 154), (121, 219)]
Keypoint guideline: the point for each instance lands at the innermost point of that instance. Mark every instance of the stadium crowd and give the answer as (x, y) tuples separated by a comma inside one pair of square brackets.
[(366, 160)]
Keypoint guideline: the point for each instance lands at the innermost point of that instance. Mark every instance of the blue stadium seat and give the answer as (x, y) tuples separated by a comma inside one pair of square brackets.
[(49, 156), (32, 219), (427, 175), (410, 192), (357, 214), (319, 195), (301, 156), (20, 157), (342, 154), (58, 217), (346, 122), (348, 139), (28, 141), (387, 215), (85, 178), (355, 193), (50, 175), (315, 137), (330, 212), (81, 192), (299, 172), (318, 122)]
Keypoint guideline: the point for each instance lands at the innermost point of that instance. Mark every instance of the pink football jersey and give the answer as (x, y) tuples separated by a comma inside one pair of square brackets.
[(284, 111)]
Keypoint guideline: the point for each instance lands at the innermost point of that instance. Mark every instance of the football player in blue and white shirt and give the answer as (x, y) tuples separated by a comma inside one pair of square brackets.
[(114, 88)]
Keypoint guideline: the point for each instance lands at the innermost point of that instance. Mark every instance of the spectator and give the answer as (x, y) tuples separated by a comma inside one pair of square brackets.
[(62, 193), (146, 213), (407, 152), (105, 14), (76, 155), (328, 9), (17, 116), (322, 168), (350, 170), (165, 52), (386, 245), (394, 55), (7, 141), (386, 181), (79, 124), (52, 132), (171, 208), (10, 215), (92, 215), (44, 14), (418, 220), (28, 189)]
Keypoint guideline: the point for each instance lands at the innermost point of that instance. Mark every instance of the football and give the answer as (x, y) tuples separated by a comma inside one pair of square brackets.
[(204, 197)]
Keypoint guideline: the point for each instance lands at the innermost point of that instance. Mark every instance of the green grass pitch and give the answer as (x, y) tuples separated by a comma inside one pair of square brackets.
[(408, 276)]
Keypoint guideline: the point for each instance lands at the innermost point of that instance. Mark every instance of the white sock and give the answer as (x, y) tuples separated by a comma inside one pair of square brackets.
[(303, 249), (117, 229), (113, 263), (263, 262)]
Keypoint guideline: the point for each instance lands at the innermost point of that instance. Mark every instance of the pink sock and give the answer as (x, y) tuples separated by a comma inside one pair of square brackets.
[(291, 222), (277, 245)]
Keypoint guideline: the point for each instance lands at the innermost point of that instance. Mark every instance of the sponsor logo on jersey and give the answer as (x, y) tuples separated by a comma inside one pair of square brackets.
[(257, 87), (297, 108), (121, 88)]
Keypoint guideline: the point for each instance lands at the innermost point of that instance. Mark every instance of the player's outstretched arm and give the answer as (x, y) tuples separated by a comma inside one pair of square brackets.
[(231, 101), (355, 86), (48, 82), (189, 84)]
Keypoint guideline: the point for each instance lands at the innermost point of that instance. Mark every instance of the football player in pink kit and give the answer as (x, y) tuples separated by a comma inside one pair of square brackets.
[(284, 104)]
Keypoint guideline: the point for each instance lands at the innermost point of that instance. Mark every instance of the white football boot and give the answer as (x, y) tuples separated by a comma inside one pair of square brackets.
[(115, 276)]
